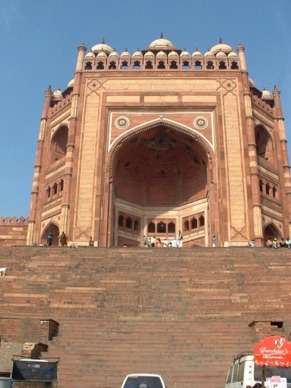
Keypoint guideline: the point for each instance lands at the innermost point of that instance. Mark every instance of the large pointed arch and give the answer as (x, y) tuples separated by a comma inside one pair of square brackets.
[(159, 175)]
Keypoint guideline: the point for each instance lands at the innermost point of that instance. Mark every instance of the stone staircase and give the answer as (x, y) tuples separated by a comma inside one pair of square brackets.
[(182, 313)]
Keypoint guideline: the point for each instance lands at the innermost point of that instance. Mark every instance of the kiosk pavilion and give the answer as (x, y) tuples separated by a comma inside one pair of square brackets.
[(157, 142)]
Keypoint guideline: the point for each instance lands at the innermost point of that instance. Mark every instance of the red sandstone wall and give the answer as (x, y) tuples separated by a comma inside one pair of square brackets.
[(13, 231)]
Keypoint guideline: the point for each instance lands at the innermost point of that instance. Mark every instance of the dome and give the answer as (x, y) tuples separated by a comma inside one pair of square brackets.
[(125, 54), (102, 54), (90, 55), (71, 83), (57, 95), (220, 54), (209, 54), (137, 54), (266, 95), (161, 44), (113, 54), (252, 83), (161, 55), (232, 54), (173, 54), (149, 54), (185, 53), (197, 54), (225, 48), (102, 47)]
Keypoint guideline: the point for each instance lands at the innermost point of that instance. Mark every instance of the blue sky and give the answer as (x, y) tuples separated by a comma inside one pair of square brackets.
[(39, 41)]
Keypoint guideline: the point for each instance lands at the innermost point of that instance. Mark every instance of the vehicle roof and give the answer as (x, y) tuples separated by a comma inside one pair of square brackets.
[(144, 374)]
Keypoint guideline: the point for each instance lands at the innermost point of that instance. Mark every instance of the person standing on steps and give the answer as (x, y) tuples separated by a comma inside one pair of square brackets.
[(213, 241), (50, 236), (63, 239), (180, 239)]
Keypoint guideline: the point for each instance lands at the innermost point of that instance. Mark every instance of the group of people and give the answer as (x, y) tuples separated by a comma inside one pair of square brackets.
[(275, 243), (50, 237), (153, 242)]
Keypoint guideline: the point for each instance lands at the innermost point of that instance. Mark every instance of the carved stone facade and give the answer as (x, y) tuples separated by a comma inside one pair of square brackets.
[(160, 141)]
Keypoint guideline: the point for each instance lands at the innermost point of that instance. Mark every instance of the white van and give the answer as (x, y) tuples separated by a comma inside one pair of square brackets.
[(143, 380), (244, 372)]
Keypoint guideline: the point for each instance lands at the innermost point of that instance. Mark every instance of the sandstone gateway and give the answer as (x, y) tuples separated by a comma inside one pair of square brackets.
[(158, 141)]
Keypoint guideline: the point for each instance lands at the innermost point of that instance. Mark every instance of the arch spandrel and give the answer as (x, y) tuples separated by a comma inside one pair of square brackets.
[(131, 135), (196, 122)]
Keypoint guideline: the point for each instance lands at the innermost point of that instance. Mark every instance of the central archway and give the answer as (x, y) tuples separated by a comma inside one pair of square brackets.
[(160, 181)]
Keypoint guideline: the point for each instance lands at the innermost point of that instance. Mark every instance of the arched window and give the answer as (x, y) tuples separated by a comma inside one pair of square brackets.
[(261, 183), (88, 66), (197, 65), (128, 223), (201, 221), (173, 65), (151, 227), (100, 66), (136, 65), (209, 65), (186, 225), (55, 189), (59, 143), (61, 186), (274, 192), (268, 188), (222, 65), (124, 65), (112, 65), (264, 143), (171, 227), (185, 65), (234, 66), (161, 227), (149, 65), (136, 225), (194, 223), (48, 192), (120, 220), (161, 65)]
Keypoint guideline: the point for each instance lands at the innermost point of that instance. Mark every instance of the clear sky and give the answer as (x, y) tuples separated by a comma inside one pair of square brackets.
[(39, 41)]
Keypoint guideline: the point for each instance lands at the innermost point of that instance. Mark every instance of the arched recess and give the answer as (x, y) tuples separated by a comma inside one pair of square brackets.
[(264, 143), (160, 173), (270, 232), (59, 143), (56, 232)]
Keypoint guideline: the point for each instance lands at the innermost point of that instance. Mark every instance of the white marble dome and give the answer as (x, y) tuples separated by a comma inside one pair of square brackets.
[(102, 47)]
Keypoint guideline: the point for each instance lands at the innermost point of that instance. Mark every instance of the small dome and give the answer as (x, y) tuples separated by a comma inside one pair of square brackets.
[(252, 83), (232, 54), (266, 95), (161, 44), (71, 83), (221, 47), (102, 47), (125, 54), (185, 53), (220, 54), (149, 54), (113, 54), (173, 54), (137, 54), (57, 95), (102, 54), (209, 54), (90, 55), (161, 55), (197, 54)]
